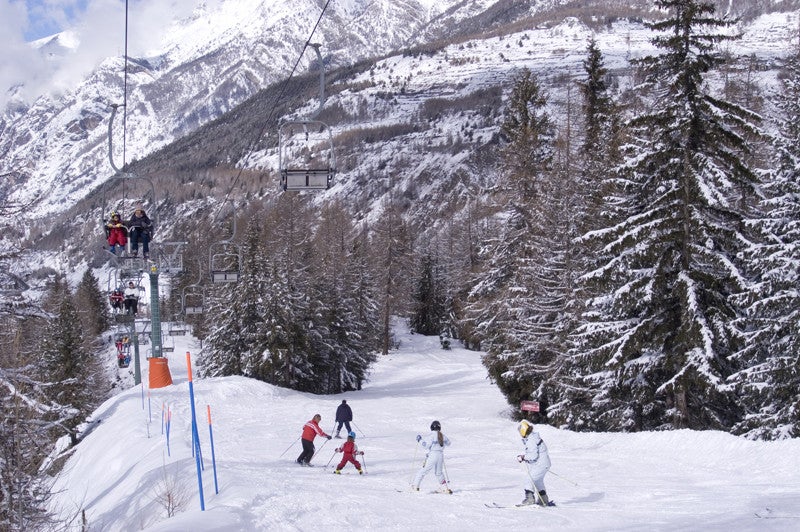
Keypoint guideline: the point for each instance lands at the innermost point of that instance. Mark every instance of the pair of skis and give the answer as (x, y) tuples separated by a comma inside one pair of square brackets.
[(495, 505)]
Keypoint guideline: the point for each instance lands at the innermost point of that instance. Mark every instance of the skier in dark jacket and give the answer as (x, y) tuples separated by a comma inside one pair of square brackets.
[(140, 229), (343, 417)]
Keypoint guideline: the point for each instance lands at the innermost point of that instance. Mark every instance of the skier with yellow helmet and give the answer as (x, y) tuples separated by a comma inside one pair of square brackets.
[(537, 462)]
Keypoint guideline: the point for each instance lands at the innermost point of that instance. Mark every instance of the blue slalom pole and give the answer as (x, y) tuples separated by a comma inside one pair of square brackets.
[(194, 432), (169, 422)]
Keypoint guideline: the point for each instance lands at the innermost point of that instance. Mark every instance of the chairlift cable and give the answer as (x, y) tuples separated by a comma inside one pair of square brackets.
[(251, 147), (125, 93)]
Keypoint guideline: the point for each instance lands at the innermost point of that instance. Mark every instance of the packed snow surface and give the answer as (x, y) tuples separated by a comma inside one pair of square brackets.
[(126, 466)]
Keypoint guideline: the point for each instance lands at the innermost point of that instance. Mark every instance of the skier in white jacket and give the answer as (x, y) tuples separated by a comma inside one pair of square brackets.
[(537, 461), (435, 443)]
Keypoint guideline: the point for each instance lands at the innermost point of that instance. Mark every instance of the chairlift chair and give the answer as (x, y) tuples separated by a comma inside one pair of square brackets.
[(306, 157), (176, 328), (193, 300), (167, 344), (225, 262), (168, 256)]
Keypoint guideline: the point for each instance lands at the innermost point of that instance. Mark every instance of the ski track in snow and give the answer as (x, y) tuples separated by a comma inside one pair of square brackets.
[(680, 480)]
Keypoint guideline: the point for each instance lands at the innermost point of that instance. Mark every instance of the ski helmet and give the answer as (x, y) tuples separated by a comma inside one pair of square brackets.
[(352, 434), (436, 426), (525, 428)]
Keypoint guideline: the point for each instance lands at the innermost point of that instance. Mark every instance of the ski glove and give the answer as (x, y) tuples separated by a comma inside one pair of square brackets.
[(328, 437), (521, 458), (339, 450), (419, 437), (360, 453)]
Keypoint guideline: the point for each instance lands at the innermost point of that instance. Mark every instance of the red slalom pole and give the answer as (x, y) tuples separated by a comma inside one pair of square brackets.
[(213, 459), (194, 432)]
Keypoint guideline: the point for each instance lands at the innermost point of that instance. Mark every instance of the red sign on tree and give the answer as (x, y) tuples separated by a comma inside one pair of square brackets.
[(529, 406)]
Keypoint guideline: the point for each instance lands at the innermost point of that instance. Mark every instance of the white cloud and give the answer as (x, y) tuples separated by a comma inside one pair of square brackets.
[(97, 28)]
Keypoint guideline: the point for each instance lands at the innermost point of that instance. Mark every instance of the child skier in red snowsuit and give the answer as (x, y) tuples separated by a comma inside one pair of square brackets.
[(116, 234), (350, 451)]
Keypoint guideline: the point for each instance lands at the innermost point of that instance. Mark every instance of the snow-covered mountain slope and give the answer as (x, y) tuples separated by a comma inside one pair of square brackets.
[(126, 466), (54, 151), (430, 117)]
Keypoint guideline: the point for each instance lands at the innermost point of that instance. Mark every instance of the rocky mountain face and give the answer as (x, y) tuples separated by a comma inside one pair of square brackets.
[(419, 124)]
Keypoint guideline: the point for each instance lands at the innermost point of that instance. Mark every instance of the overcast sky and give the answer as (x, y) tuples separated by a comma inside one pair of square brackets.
[(96, 30)]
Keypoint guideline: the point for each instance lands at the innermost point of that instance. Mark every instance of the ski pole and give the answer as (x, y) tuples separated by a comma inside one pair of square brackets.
[(414, 461), (292, 445), (329, 461), (563, 478), (446, 476), (317, 451), (359, 429), (535, 489)]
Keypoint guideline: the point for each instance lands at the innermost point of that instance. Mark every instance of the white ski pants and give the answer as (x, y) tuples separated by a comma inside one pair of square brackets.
[(435, 461), (535, 477)]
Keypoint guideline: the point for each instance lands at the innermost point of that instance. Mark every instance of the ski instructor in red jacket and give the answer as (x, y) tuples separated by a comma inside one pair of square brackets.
[(310, 431)]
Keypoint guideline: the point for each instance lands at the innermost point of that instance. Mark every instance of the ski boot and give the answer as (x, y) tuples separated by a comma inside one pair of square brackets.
[(338, 472), (530, 498), (543, 500), (360, 472)]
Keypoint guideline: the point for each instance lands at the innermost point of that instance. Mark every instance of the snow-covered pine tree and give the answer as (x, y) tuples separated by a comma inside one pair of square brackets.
[(429, 311), (521, 302), (528, 134), (393, 263), (235, 341), (92, 305), (363, 323), (76, 378), (290, 334), (769, 382), (599, 153), (347, 339), (663, 329), (599, 200), (224, 348), (25, 440)]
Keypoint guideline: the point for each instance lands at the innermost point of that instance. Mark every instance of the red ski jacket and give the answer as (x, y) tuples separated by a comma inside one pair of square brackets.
[(349, 449), (311, 430)]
